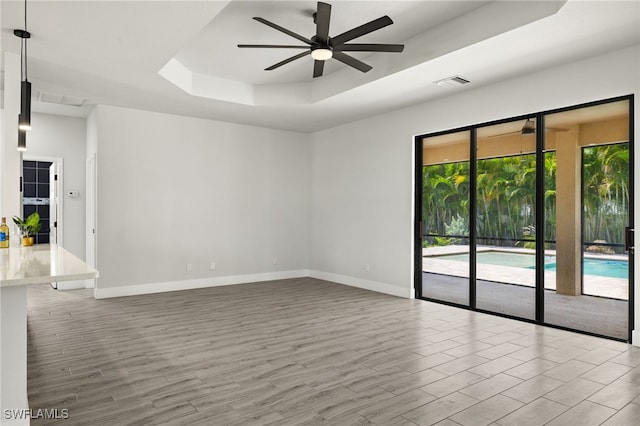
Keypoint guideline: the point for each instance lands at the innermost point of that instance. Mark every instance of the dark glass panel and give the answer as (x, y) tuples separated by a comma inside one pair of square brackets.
[(43, 176), (29, 175), (43, 190), (29, 190)]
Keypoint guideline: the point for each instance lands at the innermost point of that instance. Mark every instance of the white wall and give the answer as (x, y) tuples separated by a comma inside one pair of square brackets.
[(362, 173), (337, 204), (10, 158), (174, 190), (64, 137), (92, 133), (361, 206), (13, 300)]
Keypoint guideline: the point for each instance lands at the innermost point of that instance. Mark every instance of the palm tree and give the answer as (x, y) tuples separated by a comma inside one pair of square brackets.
[(506, 195), (606, 192)]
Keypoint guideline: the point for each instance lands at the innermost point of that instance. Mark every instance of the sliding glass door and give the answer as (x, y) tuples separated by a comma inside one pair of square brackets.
[(529, 217), (506, 219), (587, 264), (445, 217)]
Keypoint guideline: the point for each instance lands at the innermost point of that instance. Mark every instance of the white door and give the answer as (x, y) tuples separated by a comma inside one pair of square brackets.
[(53, 203)]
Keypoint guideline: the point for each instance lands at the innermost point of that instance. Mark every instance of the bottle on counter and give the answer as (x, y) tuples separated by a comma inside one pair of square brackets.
[(4, 234)]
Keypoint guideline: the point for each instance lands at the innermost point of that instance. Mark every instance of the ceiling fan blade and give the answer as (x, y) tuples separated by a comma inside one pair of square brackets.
[(368, 47), (367, 28), (351, 61), (273, 46), (323, 17), (318, 68), (505, 134), (284, 30), (546, 129), (286, 61)]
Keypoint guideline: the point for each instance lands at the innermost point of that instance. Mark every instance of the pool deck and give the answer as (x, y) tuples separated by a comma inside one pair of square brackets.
[(616, 288)]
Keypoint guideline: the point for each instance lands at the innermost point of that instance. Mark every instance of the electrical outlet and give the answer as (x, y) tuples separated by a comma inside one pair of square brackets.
[(212, 266), (189, 267), (275, 261), (367, 267)]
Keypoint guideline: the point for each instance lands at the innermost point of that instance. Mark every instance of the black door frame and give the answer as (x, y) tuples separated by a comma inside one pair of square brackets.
[(539, 294)]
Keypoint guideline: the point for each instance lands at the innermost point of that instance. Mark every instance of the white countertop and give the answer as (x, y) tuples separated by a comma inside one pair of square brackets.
[(41, 263)]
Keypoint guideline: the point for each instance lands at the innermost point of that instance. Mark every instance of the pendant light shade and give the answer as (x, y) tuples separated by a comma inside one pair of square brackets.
[(22, 140), (24, 120)]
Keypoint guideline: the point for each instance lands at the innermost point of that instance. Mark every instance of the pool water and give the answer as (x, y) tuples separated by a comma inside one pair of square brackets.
[(598, 267), (591, 266)]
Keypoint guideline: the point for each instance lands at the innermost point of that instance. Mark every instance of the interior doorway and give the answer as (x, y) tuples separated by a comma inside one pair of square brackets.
[(529, 217), (41, 188)]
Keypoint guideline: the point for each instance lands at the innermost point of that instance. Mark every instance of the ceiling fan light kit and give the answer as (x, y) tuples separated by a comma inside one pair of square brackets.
[(528, 128), (320, 53), (321, 47)]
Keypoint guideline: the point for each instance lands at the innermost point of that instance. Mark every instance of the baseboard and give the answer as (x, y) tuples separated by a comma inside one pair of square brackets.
[(71, 285), (161, 287), (635, 338), (376, 286)]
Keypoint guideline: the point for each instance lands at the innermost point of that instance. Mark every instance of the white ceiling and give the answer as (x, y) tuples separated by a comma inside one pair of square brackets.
[(112, 53)]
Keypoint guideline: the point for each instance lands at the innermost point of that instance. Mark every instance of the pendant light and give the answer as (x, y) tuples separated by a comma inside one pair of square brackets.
[(24, 119), (22, 140)]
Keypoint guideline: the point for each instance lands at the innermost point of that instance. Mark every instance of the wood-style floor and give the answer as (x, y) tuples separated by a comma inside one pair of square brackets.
[(306, 351)]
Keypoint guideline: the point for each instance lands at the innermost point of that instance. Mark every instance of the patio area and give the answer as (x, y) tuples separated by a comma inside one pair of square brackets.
[(510, 290)]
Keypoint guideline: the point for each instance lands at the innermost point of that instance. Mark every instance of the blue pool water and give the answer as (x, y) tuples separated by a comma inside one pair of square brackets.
[(591, 266), (599, 267)]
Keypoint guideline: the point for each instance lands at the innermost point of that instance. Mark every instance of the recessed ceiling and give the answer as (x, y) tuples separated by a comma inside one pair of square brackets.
[(112, 53), (428, 29), (214, 51)]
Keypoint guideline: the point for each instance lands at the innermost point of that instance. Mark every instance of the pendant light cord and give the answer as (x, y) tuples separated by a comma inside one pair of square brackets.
[(26, 69), (22, 56)]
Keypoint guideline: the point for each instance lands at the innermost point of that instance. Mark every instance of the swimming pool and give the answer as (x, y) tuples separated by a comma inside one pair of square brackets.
[(591, 266)]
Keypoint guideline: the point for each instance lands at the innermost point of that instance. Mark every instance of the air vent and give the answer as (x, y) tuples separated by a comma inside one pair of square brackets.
[(455, 81), (54, 98), (51, 98)]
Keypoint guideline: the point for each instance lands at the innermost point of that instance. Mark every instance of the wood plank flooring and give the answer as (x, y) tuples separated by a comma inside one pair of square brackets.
[(310, 352)]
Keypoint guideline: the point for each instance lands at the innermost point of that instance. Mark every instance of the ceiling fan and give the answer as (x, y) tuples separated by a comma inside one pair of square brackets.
[(321, 47), (529, 128)]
